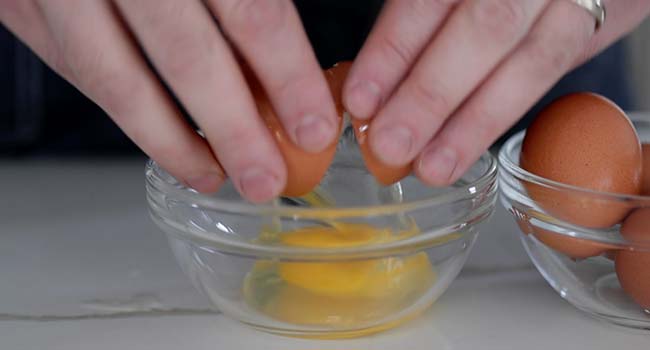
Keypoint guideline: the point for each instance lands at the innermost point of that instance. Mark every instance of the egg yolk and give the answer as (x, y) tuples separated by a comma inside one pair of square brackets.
[(339, 292), (373, 278)]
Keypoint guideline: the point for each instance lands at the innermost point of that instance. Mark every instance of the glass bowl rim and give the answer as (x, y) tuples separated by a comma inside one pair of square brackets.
[(157, 188), (198, 200), (512, 168)]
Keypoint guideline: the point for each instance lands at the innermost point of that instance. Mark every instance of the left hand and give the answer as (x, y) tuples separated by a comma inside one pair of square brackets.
[(445, 78)]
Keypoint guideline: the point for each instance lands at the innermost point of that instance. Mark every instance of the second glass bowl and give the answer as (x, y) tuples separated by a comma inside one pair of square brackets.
[(580, 263)]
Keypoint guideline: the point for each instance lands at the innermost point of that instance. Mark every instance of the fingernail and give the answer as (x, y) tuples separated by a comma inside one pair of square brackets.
[(259, 185), (314, 133), (393, 144), (205, 183), (364, 99), (437, 166)]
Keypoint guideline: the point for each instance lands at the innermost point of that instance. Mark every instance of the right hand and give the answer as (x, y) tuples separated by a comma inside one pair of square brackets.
[(100, 47)]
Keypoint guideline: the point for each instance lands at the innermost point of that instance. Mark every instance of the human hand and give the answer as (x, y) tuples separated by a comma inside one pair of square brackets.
[(100, 47), (445, 78)]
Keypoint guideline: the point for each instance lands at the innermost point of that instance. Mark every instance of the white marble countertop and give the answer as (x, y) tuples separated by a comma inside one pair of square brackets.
[(83, 267)]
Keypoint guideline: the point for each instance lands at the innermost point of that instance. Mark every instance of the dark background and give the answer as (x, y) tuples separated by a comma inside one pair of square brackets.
[(41, 114)]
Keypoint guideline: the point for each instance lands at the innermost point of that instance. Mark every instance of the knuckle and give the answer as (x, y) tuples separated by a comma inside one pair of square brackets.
[(181, 52), (185, 57), (294, 85), (445, 3), (424, 8), (239, 139), (591, 49), (417, 6), (566, 40), (166, 153), (56, 61), (486, 125), (554, 52), (307, 84), (183, 157), (119, 96), (241, 132), (397, 50), (163, 152), (114, 89), (11, 8), (251, 19), (501, 19), (429, 98), (96, 73)]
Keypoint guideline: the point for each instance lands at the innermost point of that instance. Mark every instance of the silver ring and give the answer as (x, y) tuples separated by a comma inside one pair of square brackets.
[(596, 8)]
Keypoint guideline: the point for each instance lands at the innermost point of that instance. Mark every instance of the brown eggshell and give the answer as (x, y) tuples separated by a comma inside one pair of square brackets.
[(524, 226), (576, 248), (384, 174), (636, 227), (633, 266), (611, 254), (645, 178), (633, 273), (584, 140), (304, 169), (335, 77)]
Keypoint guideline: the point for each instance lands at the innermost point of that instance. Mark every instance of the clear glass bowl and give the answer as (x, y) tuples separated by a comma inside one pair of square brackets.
[(411, 242), (578, 262)]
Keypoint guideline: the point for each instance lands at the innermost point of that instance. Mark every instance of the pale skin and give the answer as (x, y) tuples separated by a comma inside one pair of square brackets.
[(442, 78)]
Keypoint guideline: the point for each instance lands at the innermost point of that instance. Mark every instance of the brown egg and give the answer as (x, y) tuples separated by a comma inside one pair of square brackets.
[(584, 140), (633, 267), (304, 169), (385, 175), (645, 178), (611, 254), (335, 77), (576, 248)]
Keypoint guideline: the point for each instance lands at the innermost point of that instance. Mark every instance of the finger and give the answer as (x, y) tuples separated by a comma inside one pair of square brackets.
[(184, 44), (105, 65), (477, 36), (271, 37), (555, 42), (26, 21), (399, 35), (622, 17)]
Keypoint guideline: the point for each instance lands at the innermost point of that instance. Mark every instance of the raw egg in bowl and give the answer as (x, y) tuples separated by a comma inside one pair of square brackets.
[(349, 258), (574, 183)]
